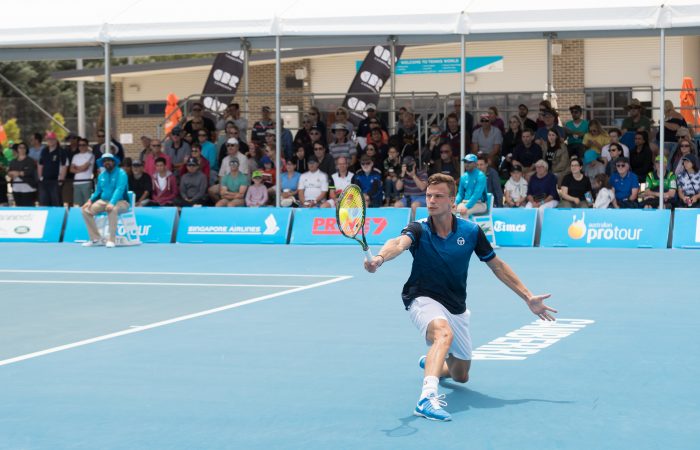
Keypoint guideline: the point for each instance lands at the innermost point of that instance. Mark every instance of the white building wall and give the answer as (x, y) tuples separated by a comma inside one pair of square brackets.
[(157, 87)]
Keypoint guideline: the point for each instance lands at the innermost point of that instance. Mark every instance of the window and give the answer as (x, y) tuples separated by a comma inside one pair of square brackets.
[(144, 109), (608, 105)]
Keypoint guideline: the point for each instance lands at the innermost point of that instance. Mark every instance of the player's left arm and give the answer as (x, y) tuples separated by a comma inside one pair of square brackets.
[(535, 302)]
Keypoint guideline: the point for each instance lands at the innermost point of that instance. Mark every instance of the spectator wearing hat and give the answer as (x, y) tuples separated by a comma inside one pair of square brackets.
[(313, 185), (493, 181), (614, 134), (82, 166), (256, 194), (111, 196), (149, 164), (202, 162), (625, 185), (233, 187), (177, 149), (193, 185), (650, 195), (542, 189), (257, 136), (641, 157), (527, 153), (199, 121), (289, 183), (165, 189), (550, 119), (53, 167), (232, 131), (515, 190), (371, 119), (525, 121), (232, 146), (689, 182), (487, 139), (369, 179), (22, 173), (341, 144), (141, 184), (575, 130), (576, 187), (635, 120), (592, 165), (471, 191)]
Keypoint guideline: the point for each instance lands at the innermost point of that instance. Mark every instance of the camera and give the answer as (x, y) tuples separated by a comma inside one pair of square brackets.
[(409, 167)]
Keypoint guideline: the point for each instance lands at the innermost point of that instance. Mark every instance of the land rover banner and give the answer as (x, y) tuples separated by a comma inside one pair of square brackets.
[(369, 81), (222, 82)]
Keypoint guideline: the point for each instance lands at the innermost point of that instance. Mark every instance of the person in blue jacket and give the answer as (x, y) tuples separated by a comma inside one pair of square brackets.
[(370, 181), (471, 193), (110, 195)]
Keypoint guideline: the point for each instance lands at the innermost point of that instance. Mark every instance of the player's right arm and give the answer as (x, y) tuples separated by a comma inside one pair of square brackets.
[(391, 249)]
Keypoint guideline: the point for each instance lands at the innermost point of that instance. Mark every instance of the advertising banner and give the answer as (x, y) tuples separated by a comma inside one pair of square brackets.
[(31, 224), (513, 227), (607, 228), (686, 228), (318, 226), (369, 81), (222, 82), (153, 225), (421, 66), (234, 225)]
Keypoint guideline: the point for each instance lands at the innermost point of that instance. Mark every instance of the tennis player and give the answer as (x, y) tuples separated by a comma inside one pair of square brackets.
[(436, 291)]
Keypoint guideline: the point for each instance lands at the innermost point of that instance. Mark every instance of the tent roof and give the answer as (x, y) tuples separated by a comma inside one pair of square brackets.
[(46, 29)]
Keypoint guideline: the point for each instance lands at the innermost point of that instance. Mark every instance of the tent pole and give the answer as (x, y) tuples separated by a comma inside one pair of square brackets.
[(108, 105), (550, 68), (462, 109), (278, 121), (245, 47), (81, 101), (392, 103), (662, 120)]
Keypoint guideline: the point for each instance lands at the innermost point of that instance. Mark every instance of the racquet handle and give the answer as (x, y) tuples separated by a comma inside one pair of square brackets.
[(368, 254)]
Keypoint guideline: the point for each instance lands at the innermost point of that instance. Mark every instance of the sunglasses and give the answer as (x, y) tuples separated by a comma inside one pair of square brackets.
[(231, 145), (685, 145), (484, 120), (155, 145), (196, 109), (367, 163), (620, 165)]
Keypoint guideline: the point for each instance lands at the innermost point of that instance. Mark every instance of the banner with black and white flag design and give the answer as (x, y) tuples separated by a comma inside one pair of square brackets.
[(369, 81), (222, 82)]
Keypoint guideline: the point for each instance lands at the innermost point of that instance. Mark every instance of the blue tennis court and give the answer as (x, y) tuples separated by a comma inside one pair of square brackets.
[(297, 347)]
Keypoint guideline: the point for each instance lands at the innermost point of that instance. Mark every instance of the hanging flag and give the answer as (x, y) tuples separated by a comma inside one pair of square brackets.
[(3, 135), (688, 104), (222, 82), (172, 113), (369, 81)]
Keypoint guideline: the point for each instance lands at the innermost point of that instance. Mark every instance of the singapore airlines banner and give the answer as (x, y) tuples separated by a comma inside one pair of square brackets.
[(223, 79), (370, 78)]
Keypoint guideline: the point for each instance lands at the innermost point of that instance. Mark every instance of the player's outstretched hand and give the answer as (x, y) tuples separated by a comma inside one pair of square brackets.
[(538, 308), (373, 264)]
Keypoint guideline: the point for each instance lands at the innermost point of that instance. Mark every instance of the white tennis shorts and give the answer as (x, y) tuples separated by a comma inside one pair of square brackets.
[(424, 310)]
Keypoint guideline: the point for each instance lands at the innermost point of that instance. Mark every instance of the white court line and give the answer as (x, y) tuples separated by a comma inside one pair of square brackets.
[(146, 283), (138, 329), (105, 272)]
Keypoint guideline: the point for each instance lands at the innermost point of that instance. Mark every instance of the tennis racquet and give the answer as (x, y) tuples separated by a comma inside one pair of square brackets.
[(350, 212)]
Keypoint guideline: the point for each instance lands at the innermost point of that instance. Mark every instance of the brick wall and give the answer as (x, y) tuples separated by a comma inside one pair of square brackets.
[(568, 76)]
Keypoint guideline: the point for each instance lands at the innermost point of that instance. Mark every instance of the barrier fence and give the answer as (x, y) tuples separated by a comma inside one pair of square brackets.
[(586, 228)]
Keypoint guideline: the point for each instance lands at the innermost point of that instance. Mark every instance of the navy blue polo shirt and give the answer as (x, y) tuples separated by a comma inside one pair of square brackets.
[(623, 186), (52, 162), (440, 265)]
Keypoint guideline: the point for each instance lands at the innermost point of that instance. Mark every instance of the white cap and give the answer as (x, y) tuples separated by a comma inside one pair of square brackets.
[(232, 141)]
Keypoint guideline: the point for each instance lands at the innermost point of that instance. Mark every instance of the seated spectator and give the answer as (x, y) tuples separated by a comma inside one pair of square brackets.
[(22, 173), (209, 152), (576, 190), (202, 162), (575, 130), (260, 127), (446, 162), (342, 117), (199, 121), (493, 181), (233, 186), (302, 138), (256, 195), (326, 161), (379, 138), (193, 185), (556, 155), (369, 180), (625, 185), (685, 147), (164, 185), (641, 156), (452, 134), (269, 174), (299, 159), (487, 140), (471, 191), (542, 188), (338, 181), (341, 144), (141, 184), (525, 121), (413, 182), (592, 165), (614, 151), (233, 115), (233, 153), (317, 135), (149, 163), (366, 125), (313, 185), (495, 120), (636, 120), (392, 168), (650, 195), (317, 125), (604, 195), (550, 119), (434, 142), (515, 189), (177, 149), (596, 138), (527, 153), (689, 182), (233, 132), (512, 136), (407, 137), (371, 151), (82, 166), (289, 183), (614, 134)]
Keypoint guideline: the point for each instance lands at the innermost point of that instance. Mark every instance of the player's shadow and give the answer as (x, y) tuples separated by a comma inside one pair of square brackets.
[(462, 399)]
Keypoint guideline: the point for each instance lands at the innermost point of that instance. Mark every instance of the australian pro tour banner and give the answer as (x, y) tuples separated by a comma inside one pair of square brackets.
[(222, 82), (319, 226), (686, 228), (611, 228), (369, 81), (234, 225), (31, 224), (153, 225)]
